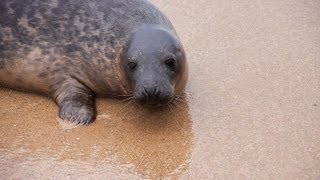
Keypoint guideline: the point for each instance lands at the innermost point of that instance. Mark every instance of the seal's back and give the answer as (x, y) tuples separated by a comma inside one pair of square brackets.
[(41, 41)]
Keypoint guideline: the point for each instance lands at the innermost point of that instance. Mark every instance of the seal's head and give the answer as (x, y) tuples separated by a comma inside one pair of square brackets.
[(155, 66)]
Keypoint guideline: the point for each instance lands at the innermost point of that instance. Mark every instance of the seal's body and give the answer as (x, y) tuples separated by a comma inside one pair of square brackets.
[(73, 50)]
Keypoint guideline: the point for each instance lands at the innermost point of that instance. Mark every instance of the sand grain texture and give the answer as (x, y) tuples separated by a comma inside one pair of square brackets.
[(252, 111)]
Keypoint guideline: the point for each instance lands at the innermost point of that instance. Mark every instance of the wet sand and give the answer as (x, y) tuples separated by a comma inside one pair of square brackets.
[(252, 109)]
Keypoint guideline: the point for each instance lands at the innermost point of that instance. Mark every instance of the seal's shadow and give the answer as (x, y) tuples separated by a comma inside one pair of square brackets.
[(157, 142), (152, 143)]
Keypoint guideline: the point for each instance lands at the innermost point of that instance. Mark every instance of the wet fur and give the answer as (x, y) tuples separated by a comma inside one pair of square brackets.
[(70, 49)]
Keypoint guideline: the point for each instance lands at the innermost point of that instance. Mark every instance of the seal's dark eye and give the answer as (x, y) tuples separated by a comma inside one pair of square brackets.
[(132, 65), (170, 63)]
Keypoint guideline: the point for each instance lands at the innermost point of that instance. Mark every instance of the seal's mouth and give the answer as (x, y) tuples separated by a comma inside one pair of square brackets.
[(152, 97), (152, 103), (153, 106)]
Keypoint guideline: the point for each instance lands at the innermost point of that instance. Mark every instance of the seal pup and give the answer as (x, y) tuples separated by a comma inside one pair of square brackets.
[(75, 50)]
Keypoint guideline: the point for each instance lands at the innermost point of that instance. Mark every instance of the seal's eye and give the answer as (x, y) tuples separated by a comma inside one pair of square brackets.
[(132, 65), (170, 63)]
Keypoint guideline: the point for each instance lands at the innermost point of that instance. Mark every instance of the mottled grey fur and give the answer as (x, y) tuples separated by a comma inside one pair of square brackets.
[(71, 50)]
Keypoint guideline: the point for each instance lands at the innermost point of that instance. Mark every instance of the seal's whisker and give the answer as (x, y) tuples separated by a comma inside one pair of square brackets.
[(171, 107), (176, 104), (127, 99), (130, 104), (124, 107), (180, 99), (135, 105), (125, 95)]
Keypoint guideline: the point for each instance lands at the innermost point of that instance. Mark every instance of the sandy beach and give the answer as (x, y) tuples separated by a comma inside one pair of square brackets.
[(252, 106)]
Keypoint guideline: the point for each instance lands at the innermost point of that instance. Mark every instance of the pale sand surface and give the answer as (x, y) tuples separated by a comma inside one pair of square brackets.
[(252, 111)]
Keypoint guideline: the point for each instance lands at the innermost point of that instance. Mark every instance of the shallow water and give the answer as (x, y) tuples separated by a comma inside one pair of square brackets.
[(252, 108)]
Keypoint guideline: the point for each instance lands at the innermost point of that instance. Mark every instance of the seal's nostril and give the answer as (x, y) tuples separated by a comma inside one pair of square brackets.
[(157, 92), (145, 92), (151, 94), (149, 91)]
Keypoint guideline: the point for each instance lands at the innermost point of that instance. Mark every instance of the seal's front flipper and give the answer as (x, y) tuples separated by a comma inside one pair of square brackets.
[(76, 103)]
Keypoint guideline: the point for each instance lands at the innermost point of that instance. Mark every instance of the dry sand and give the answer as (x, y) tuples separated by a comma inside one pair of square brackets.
[(252, 111)]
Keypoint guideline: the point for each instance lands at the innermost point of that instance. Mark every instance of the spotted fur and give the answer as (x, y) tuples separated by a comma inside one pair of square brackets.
[(51, 46)]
